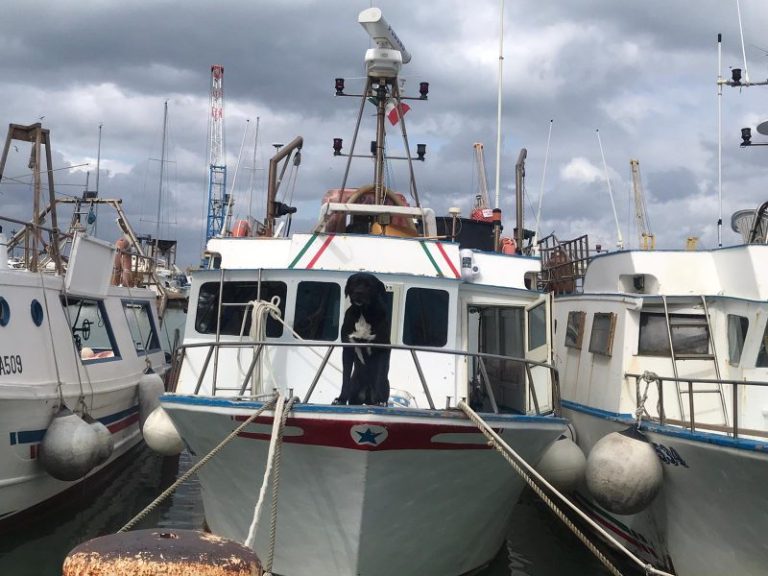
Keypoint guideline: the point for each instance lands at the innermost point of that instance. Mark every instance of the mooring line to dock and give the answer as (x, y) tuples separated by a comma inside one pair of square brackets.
[(273, 463), (202, 462), (527, 473), (275, 486)]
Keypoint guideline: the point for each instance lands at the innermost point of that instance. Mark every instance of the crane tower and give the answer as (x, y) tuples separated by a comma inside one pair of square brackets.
[(647, 239), (217, 178), (482, 211)]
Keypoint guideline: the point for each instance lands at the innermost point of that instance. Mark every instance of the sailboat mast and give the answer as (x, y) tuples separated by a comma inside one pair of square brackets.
[(498, 111), (162, 176)]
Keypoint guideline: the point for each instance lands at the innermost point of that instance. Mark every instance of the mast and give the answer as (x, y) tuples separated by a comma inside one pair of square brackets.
[(619, 237), (162, 176), (498, 104)]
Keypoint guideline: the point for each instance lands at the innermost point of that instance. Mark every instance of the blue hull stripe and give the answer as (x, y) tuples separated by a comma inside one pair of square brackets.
[(378, 410), (34, 436), (674, 431)]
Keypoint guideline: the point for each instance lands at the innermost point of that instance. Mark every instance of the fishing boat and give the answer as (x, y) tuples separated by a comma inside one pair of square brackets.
[(379, 472), (75, 349), (663, 357)]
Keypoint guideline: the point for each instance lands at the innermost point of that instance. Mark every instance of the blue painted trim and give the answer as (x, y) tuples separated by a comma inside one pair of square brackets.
[(35, 436), (30, 436), (378, 410), (119, 415), (673, 431)]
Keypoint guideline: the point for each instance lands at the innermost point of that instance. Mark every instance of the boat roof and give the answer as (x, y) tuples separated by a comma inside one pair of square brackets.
[(738, 271), (375, 254)]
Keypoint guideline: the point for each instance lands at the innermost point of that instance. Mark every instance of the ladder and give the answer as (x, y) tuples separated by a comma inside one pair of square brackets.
[(711, 356)]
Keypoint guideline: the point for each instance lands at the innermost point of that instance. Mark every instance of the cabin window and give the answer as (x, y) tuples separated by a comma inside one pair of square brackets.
[(235, 307), (737, 331), (36, 310), (90, 329), (690, 334), (537, 326), (500, 331), (426, 317), (317, 310), (762, 355), (5, 312), (142, 326), (574, 331), (603, 328)]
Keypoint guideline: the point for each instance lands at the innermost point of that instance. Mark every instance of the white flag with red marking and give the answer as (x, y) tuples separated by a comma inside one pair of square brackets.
[(395, 112)]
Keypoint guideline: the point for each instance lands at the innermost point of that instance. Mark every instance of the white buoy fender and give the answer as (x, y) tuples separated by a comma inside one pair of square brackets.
[(106, 441), (563, 464), (623, 472), (161, 435), (70, 447), (151, 387)]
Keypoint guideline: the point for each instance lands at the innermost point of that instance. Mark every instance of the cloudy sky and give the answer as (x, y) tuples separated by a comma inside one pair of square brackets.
[(642, 73)]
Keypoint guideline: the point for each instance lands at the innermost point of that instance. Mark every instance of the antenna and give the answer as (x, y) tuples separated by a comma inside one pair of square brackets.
[(720, 138), (620, 239), (543, 176), (743, 49), (498, 104)]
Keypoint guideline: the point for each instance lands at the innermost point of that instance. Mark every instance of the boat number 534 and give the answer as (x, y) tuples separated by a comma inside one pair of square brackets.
[(10, 364)]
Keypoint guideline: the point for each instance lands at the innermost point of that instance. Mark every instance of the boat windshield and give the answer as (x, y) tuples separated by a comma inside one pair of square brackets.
[(762, 355)]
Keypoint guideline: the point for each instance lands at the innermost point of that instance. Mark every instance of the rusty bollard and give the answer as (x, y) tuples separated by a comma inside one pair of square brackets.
[(160, 552)]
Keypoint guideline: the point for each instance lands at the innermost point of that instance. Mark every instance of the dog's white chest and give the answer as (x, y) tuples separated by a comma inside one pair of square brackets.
[(362, 331)]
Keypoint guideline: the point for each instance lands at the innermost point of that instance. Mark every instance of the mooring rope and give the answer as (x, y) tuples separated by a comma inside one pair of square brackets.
[(275, 486), (202, 462), (267, 473), (527, 473), (273, 463)]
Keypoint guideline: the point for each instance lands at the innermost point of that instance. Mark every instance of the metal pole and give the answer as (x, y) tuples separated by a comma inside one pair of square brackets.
[(498, 103)]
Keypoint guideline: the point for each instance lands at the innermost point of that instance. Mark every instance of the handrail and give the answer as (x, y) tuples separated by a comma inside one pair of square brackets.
[(691, 423), (213, 347)]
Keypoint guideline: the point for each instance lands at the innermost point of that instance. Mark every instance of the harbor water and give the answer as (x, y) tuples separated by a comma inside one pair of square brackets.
[(537, 544)]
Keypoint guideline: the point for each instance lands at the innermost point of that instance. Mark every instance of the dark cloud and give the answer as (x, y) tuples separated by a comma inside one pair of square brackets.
[(643, 73)]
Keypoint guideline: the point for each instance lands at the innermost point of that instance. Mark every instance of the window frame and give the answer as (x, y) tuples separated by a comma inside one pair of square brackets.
[(406, 325), (576, 321), (335, 314), (222, 287), (145, 305), (676, 320), (607, 349), (67, 301)]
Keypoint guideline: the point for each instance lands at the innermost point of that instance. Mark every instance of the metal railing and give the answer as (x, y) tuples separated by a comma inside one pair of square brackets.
[(690, 423), (213, 349)]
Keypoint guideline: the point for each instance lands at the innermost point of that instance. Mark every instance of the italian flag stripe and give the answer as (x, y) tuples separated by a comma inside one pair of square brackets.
[(320, 252), (303, 250), (450, 264), (426, 251)]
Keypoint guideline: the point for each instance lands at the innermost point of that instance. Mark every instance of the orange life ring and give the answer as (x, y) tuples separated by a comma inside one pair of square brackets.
[(241, 229)]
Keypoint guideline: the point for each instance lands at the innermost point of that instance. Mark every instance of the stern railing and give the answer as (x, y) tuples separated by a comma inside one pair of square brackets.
[(686, 383)]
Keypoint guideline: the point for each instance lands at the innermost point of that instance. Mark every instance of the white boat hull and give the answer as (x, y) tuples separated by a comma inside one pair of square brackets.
[(23, 481), (363, 491), (713, 492)]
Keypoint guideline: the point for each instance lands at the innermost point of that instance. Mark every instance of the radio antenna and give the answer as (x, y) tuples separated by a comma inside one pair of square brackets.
[(743, 49), (620, 239)]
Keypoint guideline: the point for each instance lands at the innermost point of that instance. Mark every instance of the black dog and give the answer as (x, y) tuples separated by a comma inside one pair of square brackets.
[(365, 377)]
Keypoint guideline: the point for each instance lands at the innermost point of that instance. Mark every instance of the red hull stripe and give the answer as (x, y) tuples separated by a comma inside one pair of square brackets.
[(320, 252), (450, 264), (357, 435), (123, 424)]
